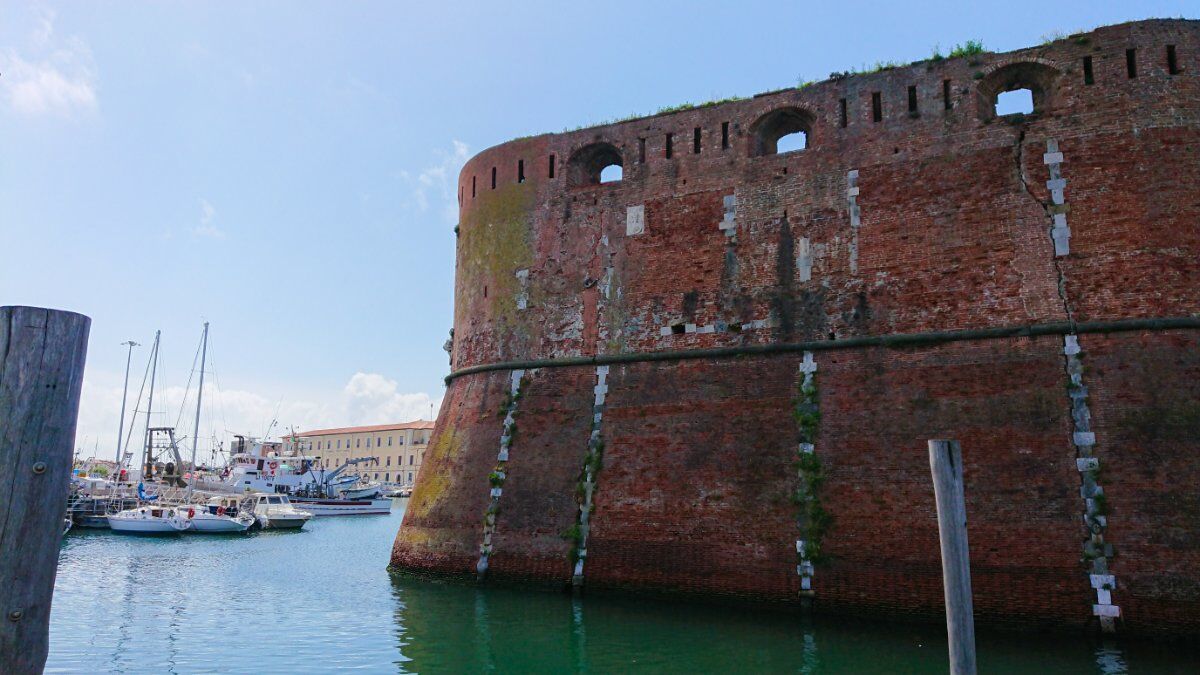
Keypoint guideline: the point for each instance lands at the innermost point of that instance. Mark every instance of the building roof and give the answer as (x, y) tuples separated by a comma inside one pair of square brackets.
[(418, 424)]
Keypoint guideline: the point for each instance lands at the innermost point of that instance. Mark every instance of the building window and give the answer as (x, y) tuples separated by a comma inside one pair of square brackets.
[(389, 441), (409, 476), (389, 460), (358, 442), (376, 475), (379, 442), (339, 444), (410, 459), (401, 440)]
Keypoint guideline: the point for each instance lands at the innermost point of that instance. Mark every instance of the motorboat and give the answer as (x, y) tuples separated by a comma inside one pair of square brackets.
[(219, 515), (276, 511), (364, 490), (148, 520), (321, 506)]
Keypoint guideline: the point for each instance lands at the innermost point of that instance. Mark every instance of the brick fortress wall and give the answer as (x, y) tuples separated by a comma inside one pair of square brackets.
[(801, 477)]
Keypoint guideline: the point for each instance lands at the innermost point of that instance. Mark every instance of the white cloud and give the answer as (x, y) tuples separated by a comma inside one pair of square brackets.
[(367, 398), (438, 183), (56, 77), (206, 228)]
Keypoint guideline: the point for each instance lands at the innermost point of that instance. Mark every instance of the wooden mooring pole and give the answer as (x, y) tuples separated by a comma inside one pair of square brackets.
[(945, 461), (42, 352)]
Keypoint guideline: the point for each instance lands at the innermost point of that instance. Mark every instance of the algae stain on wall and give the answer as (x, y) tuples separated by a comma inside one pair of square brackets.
[(495, 242), (435, 474)]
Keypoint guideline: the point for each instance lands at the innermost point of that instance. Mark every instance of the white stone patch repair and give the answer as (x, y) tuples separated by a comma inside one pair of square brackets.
[(635, 220), (522, 288), (804, 258), (718, 327), (855, 216), (496, 491), (595, 446), (804, 567), (1059, 231), (728, 223), (1094, 519)]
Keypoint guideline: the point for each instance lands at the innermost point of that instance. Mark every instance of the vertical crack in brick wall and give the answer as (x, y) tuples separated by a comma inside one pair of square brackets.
[(499, 474), (855, 216), (812, 519), (588, 476), (1096, 551), (1056, 211)]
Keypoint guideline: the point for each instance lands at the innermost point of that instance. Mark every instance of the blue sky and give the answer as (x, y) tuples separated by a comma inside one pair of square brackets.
[(285, 170)]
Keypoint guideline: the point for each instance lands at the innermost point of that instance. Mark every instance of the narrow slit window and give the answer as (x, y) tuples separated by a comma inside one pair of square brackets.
[(641, 151), (493, 178), (1131, 63), (877, 106), (667, 149), (520, 171), (1172, 61), (696, 141), (472, 187), (724, 135), (912, 99), (843, 118), (1089, 76), (460, 191), (946, 102), (551, 166)]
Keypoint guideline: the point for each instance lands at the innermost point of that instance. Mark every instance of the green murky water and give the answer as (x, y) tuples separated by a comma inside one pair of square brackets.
[(321, 599)]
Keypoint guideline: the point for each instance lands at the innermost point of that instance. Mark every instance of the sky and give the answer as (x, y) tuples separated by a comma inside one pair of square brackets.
[(286, 170)]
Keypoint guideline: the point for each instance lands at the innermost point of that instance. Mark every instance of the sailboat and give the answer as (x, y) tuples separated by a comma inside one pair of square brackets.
[(207, 518)]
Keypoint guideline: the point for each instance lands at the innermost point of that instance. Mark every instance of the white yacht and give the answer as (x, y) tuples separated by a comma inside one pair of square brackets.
[(276, 511), (216, 517), (148, 520)]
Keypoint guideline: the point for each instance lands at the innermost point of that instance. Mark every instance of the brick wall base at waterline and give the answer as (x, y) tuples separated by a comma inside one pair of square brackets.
[(708, 476)]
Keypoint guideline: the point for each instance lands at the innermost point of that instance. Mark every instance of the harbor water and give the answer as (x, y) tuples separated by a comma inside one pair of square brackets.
[(321, 599)]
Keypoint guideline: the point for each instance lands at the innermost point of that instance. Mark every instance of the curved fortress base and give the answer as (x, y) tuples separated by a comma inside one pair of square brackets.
[(716, 376)]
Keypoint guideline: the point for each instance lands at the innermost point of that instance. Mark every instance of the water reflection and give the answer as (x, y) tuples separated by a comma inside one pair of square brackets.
[(321, 600)]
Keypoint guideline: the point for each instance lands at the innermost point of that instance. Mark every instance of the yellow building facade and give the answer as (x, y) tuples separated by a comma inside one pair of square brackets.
[(397, 449)]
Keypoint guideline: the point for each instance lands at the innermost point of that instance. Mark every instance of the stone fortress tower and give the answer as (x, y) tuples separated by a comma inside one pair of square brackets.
[(716, 376)]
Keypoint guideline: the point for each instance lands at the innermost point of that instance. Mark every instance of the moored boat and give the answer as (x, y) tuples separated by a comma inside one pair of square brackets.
[(220, 515), (147, 520), (277, 512), (343, 507)]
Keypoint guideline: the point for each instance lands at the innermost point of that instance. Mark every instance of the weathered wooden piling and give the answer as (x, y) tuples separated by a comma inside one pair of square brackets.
[(945, 461), (42, 353)]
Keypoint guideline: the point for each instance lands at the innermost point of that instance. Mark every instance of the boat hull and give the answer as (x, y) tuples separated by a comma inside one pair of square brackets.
[(285, 523), (142, 526), (343, 507), (218, 525)]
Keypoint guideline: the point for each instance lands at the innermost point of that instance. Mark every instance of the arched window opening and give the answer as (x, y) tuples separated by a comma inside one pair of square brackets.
[(594, 164), (1026, 88), (1015, 102), (782, 130), (611, 173)]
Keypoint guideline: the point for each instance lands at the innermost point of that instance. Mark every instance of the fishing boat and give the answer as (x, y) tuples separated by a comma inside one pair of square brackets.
[(277, 512), (319, 506), (147, 520)]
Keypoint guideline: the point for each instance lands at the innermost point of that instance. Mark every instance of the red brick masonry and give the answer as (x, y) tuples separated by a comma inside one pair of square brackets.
[(1081, 452)]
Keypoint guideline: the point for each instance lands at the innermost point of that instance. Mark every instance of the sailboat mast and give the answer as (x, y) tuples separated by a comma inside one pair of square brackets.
[(124, 395), (150, 403), (199, 398)]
